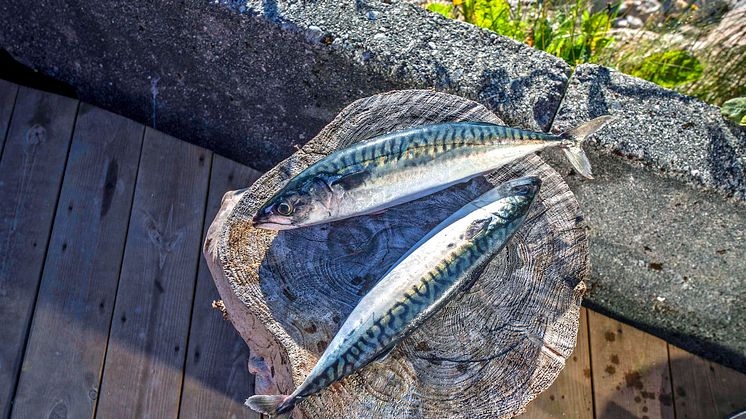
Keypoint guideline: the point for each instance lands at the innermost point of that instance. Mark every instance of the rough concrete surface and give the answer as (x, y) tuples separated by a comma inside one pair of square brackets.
[(665, 255), (675, 134), (254, 81), (416, 47)]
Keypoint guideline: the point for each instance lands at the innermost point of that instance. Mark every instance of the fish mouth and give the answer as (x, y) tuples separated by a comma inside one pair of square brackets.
[(273, 226), (270, 222), (528, 185)]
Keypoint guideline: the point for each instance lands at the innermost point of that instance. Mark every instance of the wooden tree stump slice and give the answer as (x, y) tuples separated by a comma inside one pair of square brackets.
[(485, 354)]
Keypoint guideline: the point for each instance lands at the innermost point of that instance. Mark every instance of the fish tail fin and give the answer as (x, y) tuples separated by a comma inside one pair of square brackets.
[(271, 405), (576, 137)]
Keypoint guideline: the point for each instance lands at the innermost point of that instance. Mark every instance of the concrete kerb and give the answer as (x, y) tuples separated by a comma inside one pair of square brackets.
[(666, 211)]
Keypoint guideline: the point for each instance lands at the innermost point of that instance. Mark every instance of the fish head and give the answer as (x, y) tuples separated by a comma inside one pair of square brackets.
[(517, 197), (524, 188), (301, 203)]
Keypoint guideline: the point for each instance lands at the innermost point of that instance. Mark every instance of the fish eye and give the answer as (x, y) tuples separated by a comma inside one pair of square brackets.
[(284, 208)]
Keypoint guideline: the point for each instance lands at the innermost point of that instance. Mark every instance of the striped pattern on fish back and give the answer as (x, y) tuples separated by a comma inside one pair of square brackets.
[(410, 310), (426, 141)]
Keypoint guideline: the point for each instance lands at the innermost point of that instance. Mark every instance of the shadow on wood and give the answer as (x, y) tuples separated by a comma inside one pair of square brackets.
[(487, 353)]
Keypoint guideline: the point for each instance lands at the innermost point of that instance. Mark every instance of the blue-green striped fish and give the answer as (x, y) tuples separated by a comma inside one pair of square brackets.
[(402, 166), (420, 283)]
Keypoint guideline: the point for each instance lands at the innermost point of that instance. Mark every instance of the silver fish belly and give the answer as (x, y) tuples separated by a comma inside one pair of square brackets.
[(421, 282)]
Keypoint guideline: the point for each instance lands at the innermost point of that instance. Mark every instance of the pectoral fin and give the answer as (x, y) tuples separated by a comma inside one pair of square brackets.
[(351, 180), (476, 228)]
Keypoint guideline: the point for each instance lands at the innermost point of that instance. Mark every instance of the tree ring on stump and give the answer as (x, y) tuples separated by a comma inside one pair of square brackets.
[(487, 353)]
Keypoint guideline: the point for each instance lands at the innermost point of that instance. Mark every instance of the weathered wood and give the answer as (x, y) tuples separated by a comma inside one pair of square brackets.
[(630, 371), (31, 169), (571, 394), (216, 381), (704, 389), (8, 92), (147, 344), (65, 352), (486, 354)]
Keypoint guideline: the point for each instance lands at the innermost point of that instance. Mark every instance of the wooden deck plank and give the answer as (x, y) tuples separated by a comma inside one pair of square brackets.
[(571, 395), (630, 371), (147, 344), (8, 92), (216, 379), (704, 389), (31, 169), (66, 345)]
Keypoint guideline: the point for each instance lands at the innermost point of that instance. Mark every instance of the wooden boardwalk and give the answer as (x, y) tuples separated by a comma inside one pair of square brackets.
[(105, 300)]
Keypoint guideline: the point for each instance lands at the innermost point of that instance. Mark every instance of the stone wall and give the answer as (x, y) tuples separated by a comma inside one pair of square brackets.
[(253, 80)]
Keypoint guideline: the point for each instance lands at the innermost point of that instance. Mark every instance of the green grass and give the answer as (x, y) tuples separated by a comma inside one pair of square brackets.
[(570, 30), (735, 109), (669, 69)]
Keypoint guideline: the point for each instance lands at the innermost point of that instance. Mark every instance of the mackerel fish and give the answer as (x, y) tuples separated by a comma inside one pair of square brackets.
[(405, 165), (420, 283)]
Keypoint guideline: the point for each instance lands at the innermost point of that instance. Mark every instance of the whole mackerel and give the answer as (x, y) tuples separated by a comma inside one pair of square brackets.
[(402, 166), (418, 284)]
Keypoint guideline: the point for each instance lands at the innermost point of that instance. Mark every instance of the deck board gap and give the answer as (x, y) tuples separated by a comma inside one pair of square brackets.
[(24, 345), (671, 380), (119, 274), (194, 289), (4, 138), (590, 360)]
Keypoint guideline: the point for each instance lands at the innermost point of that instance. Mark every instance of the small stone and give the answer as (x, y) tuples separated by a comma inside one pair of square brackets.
[(314, 34), (379, 37), (373, 15)]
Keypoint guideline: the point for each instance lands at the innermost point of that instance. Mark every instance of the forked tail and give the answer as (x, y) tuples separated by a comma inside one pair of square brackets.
[(576, 136), (272, 405)]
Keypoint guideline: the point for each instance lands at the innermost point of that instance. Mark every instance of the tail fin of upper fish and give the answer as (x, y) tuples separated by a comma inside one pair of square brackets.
[(271, 405), (576, 136)]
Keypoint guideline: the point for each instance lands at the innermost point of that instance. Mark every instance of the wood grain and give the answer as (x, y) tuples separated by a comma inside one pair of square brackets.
[(66, 346), (216, 380), (704, 389), (630, 371), (147, 344), (8, 92), (486, 354), (571, 394), (31, 169)]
